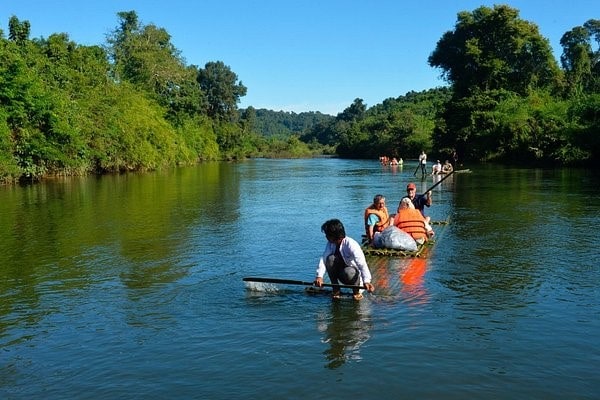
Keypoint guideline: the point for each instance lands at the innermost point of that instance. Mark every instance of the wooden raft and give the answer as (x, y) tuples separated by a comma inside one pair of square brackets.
[(420, 252)]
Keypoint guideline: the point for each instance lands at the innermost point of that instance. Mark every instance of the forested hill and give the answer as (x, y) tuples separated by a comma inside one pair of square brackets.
[(286, 123), (133, 103)]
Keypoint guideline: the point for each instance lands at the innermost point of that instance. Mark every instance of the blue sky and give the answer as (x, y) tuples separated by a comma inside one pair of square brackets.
[(299, 55)]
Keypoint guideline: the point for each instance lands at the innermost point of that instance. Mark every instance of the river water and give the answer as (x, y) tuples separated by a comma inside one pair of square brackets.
[(130, 286)]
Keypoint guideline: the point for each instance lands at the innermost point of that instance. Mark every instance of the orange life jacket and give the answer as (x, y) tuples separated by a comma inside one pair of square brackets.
[(384, 218), (411, 221)]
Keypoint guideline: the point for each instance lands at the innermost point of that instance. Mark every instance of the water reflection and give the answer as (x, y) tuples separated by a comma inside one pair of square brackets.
[(412, 278), (400, 279), (346, 328)]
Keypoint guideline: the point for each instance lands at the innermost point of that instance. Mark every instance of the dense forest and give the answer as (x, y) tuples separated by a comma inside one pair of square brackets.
[(133, 103), (508, 100)]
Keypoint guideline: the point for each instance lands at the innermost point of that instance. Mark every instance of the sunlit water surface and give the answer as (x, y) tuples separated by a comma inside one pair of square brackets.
[(131, 286)]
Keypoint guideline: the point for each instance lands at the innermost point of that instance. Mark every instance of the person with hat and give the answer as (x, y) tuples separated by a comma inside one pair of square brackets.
[(420, 201)]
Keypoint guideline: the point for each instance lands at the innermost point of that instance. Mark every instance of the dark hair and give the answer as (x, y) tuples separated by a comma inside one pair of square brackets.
[(377, 198), (334, 229)]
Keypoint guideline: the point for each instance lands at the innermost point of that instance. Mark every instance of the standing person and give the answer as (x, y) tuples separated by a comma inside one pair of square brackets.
[(423, 163), (418, 200), (377, 217), (343, 260)]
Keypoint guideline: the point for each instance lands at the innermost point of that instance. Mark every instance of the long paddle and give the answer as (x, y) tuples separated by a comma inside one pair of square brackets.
[(292, 282), (440, 181), (418, 165)]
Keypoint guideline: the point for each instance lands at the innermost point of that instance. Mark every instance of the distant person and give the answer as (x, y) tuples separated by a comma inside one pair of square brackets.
[(455, 158), (447, 167), (411, 221), (394, 161), (437, 168), (420, 201), (377, 217), (343, 260), (423, 163)]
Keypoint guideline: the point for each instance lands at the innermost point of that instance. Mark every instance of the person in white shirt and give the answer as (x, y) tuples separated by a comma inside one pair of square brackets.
[(343, 260), (423, 163)]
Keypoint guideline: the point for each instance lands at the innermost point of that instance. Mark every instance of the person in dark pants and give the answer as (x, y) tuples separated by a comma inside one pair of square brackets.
[(423, 163), (343, 260)]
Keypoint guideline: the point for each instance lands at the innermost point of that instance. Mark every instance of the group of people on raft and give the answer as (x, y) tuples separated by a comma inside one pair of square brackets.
[(344, 260), (409, 216), (385, 160), (439, 169)]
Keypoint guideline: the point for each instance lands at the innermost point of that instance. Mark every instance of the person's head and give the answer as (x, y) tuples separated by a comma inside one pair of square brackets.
[(411, 189), (379, 201), (333, 230), (405, 203)]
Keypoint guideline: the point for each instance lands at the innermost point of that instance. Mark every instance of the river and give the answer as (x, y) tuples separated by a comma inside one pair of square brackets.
[(130, 286)]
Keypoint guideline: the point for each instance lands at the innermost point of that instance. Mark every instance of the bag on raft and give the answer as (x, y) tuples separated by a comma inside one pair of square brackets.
[(395, 238)]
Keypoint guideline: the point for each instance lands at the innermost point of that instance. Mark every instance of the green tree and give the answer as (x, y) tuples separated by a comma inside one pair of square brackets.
[(492, 49), (145, 56), (18, 31), (223, 92), (579, 60), (354, 112)]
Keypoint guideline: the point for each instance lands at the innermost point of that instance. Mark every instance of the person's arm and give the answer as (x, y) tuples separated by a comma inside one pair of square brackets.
[(371, 221), (361, 262), (428, 198), (321, 269)]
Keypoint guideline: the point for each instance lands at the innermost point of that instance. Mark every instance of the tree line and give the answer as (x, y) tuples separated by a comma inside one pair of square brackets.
[(508, 100), (134, 104), (131, 104)]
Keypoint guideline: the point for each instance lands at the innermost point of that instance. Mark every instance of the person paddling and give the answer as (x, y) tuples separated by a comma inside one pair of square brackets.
[(343, 260), (420, 201)]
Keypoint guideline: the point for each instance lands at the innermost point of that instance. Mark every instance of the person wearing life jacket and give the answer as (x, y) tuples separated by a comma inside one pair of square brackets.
[(377, 217), (411, 221)]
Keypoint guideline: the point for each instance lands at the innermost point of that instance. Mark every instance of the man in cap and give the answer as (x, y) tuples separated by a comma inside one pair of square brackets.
[(418, 200)]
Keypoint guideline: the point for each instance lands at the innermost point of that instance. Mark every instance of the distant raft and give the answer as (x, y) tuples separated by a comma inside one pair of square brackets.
[(456, 171), (421, 251)]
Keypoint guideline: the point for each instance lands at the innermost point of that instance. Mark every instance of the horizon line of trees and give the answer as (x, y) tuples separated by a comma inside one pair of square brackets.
[(134, 104), (507, 101)]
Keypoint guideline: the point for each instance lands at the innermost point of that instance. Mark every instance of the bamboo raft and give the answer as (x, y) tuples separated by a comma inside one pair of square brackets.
[(422, 249)]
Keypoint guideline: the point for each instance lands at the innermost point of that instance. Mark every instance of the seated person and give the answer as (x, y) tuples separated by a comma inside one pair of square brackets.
[(411, 221), (447, 167), (437, 168), (377, 217)]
